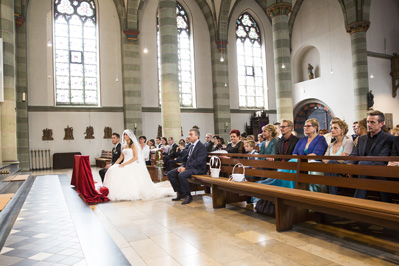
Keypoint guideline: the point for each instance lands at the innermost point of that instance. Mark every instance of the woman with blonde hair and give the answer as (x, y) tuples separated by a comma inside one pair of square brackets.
[(268, 145), (313, 143)]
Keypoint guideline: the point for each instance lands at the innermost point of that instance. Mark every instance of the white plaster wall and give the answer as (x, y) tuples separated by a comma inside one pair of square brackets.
[(321, 24), (204, 121), (57, 121), (384, 21), (383, 37), (202, 55), (40, 57), (381, 85), (266, 33)]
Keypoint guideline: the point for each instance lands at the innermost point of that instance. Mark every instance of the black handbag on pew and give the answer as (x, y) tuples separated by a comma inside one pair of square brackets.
[(265, 207)]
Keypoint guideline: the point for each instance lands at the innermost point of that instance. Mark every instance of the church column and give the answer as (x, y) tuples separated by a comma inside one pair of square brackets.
[(221, 91), (8, 114), (132, 107), (357, 30), (171, 120), (22, 93), (282, 59)]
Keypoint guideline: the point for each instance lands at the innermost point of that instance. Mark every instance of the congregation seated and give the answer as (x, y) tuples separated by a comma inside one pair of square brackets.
[(209, 142), (164, 146), (236, 145), (221, 142), (151, 143), (171, 154), (216, 145), (181, 156), (286, 144), (362, 130), (249, 147), (375, 143), (341, 146), (145, 149), (269, 133)]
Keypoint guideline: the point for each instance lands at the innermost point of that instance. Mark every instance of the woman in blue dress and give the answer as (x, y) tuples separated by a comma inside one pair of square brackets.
[(312, 144)]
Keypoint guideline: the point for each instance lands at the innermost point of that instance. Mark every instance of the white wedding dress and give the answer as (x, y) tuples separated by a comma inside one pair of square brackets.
[(133, 182)]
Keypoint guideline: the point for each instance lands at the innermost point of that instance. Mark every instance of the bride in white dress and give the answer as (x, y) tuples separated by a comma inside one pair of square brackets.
[(131, 180)]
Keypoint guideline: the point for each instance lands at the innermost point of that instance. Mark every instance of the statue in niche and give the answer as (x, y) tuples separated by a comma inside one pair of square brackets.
[(68, 133), (370, 100), (310, 71), (395, 73), (159, 134), (47, 134), (89, 132), (107, 133)]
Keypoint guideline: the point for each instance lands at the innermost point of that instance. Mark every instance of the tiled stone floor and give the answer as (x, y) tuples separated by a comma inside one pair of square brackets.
[(44, 233), (162, 232)]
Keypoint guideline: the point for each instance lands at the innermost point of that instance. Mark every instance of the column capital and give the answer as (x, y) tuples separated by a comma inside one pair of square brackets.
[(358, 26), (221, 45), (19, 20), (131, 35), (279, 9)]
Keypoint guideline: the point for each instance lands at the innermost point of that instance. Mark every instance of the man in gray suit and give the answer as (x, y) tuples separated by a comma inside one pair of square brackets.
[(375, 143)]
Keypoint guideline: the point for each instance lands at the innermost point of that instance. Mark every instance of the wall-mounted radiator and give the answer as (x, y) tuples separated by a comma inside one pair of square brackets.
[(40, 159)]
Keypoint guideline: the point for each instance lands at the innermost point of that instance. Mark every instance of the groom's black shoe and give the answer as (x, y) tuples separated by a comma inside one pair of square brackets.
[(179, 197), (187, 200)]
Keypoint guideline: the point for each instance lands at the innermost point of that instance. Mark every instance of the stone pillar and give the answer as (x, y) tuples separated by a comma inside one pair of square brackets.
[(357, 30), (8, 114), (22, 92), (132, 109), (171, 120), (282, 59), (221, 91)]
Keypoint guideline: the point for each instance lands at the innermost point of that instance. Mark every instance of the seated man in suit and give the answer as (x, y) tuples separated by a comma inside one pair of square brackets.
[(116, 152), (181, 157), (375, 143), (195, 165), (172, 152), (286, 144)]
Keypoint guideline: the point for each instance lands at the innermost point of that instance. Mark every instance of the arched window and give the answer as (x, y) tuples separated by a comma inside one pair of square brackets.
[(249, 62), (75, 52), (185, 61)]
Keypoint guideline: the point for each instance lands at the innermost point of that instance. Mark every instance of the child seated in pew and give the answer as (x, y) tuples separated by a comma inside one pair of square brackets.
[(249, 147)]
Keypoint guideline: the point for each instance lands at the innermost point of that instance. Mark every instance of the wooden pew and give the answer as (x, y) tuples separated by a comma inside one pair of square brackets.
[(104, 159), (293, 205)]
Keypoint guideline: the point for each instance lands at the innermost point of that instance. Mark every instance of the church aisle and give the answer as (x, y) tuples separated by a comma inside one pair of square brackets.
[(55, 227)]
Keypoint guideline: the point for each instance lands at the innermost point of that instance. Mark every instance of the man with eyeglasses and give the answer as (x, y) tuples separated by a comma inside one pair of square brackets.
[(286, 144), (375, 143)]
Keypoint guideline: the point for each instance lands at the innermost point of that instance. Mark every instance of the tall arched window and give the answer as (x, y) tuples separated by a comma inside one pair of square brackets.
[(250, 63), (185, 62), (75, 52)]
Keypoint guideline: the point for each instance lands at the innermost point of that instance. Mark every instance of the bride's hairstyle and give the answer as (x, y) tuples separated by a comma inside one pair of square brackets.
[(129, 143)]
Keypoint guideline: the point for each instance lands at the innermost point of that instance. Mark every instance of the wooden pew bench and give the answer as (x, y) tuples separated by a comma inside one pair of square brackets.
[(104, 159), (293, 205)]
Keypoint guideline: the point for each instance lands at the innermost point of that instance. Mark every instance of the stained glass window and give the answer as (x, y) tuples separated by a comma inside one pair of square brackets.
[(75, 52), (185, 61), (249, 63)]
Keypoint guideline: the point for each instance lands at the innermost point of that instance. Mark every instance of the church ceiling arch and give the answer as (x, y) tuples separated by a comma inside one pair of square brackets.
[(209, 18)]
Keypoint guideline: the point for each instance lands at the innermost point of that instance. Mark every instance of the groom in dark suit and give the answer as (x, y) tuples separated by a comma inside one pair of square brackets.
[(116, 153), (375, 143), (195, 165)]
